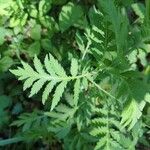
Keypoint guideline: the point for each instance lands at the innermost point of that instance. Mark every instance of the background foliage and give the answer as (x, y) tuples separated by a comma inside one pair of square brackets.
[(83, 68)]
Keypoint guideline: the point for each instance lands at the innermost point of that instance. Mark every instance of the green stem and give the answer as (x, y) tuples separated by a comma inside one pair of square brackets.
[(11, 141), (49, 78), (86, 49), (101, 89)]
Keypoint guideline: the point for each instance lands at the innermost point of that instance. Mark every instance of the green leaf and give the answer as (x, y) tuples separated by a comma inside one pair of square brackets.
[(57, 67), (2, 33), (49, 23), (33, 11), (4, 118), (29, 120), (5, 63), (37, 86), (106, 127), (147, 98), (4, 6), (44, 6), (14, 21), (58, 93), (80, 42), (46, 45), (49, 67), (36, 32), (48, 74), (38, 65), (139, 10), (74, 67), (34, 48), (47, 90), (28, 83), (5, 101), (138, 88), (69, 15), (76, 91), (132, 113), (18, 19), (119, 23), (23, 19)]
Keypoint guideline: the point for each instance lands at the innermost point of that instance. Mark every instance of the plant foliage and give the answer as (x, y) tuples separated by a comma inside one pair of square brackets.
[(84, 66)]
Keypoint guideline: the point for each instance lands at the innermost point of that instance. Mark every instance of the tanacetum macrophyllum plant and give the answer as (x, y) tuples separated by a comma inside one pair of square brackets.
[(96, 94)]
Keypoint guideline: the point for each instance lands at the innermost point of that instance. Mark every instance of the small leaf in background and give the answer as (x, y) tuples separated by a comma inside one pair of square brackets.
[(69, 15), (49, 23), (5, 101), (2, 35), (17, 109), (33, 11), (138, 89), (4, 118), (14, 21), (44, 6), (139, 10), (147, 97), (34, 49), (4, 5), (5, 63), (80, 42), (23, 19), (46, 45), (36, 32), (142, 57)]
